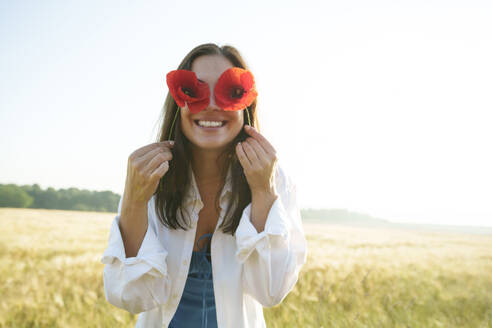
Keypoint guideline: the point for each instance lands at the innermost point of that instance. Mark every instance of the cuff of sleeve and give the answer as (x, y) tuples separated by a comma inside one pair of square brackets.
[(151, 252), (248, 238)]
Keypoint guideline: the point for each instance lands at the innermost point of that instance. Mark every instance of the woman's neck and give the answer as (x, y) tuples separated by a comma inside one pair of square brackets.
[(205, 166)]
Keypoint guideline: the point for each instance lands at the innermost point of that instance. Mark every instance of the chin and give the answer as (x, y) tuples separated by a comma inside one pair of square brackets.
[(211, 145)]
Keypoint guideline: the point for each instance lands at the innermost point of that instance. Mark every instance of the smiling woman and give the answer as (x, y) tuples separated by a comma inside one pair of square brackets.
[(218, 178), (207, 62)]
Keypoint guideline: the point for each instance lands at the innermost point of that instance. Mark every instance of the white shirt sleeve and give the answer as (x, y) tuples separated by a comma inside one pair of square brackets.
[(140, 283), (272, 259)]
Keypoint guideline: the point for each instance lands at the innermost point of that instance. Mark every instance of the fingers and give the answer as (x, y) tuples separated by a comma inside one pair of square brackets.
[(143, 157), (250, 154), (160, 171), (146, 166), (263, 157), (260, 138), (165, 143), (255, 152), (143, 161), (156, 160), (142, 151), (243, 159)]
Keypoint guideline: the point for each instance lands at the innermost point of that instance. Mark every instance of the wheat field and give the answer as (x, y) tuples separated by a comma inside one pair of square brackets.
[(51, 276)]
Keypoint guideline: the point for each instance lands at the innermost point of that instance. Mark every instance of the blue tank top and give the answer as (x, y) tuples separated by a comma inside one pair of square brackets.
[(197, 305)]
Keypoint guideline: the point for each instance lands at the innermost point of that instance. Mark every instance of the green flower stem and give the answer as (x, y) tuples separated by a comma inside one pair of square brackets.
[(172, 125), (247, 113)]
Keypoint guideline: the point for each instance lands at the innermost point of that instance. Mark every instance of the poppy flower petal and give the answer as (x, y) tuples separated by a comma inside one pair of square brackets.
[(186, 89), (247, 80), (198, 106), (235, 89), (178, 79)]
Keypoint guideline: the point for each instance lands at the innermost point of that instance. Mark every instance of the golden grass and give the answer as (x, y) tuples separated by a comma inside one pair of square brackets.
[(51, 276)]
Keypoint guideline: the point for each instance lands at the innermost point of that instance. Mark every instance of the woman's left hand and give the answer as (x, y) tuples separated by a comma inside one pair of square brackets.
[(258, 159)]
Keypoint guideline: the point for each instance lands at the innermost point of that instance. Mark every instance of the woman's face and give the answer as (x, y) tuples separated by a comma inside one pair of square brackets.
[(208, 68)]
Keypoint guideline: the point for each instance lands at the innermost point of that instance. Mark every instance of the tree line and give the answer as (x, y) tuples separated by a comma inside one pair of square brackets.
[(75, 199), (32, 196)]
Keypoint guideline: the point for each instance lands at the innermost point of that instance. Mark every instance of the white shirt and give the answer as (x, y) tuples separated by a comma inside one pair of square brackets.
[(250, 269)]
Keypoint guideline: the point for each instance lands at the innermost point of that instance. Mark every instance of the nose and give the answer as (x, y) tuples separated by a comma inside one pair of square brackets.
[(212, 105)]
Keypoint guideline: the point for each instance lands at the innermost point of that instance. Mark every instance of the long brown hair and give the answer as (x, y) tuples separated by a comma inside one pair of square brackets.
[(173, 186)]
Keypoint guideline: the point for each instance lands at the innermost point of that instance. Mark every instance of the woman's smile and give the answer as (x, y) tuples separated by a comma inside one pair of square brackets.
[(210, 124)]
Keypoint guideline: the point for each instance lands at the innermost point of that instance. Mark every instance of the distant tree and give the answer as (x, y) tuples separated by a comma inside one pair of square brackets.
[(64, 199), (14, 196), (35, 192)]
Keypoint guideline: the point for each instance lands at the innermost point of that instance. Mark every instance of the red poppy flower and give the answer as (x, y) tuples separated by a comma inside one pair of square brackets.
[(235, 89), (186, 89)]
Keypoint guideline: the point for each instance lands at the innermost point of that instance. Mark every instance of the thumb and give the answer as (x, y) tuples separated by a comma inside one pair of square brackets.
[(169, 143)]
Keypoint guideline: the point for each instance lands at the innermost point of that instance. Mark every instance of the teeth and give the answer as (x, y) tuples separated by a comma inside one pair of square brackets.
[(210, 123)]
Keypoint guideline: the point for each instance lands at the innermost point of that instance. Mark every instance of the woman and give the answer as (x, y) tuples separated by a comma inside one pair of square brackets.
[(208, 228)]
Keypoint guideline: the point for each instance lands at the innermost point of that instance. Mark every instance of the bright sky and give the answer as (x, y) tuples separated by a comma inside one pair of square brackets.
[(382, 108)]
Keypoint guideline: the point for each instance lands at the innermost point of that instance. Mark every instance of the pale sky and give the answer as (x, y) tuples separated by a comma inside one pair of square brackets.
[(380, 107)]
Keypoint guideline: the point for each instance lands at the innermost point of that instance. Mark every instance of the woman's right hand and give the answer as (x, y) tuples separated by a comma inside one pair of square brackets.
[(146, 166)]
